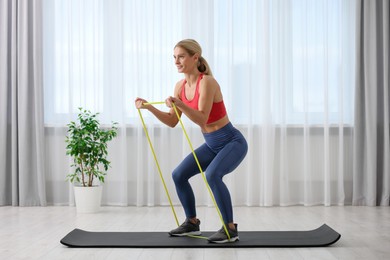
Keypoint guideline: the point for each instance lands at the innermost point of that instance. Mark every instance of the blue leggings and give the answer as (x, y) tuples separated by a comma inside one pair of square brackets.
[(221, 153)]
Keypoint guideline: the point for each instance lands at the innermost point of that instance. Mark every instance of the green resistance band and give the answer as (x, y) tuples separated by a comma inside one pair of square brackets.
[(196, 159)]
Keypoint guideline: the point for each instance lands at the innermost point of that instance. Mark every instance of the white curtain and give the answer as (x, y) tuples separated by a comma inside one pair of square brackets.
[(286, 69)]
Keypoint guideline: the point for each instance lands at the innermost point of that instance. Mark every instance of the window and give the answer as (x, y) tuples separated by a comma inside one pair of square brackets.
[(282, 62)]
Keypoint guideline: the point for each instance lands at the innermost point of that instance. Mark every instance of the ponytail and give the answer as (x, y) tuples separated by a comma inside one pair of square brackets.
[(204, 67)]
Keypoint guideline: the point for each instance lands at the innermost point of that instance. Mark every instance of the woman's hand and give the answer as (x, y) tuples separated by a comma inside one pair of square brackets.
[(170, 100), (139, 103)]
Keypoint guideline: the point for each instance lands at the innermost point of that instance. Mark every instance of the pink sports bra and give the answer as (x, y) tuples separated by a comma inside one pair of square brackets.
[(218, 109)]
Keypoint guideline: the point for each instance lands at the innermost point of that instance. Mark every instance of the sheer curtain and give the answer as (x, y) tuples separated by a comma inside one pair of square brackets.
[(286, 69)]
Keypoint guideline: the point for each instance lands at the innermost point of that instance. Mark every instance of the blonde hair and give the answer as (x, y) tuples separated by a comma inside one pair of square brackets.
[(193, 47)]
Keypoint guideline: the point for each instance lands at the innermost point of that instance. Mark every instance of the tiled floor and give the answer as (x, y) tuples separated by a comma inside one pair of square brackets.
[(35, 232)]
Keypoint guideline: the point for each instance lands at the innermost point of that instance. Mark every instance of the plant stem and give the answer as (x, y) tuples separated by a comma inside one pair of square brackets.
[(82, 170), (90, 177)]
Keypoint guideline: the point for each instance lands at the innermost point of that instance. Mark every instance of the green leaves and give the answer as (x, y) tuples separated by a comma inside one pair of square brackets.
[(87, 145)]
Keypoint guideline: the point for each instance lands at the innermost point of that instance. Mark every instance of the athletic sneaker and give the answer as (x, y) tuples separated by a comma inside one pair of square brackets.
[(221, 236), (187, 228)]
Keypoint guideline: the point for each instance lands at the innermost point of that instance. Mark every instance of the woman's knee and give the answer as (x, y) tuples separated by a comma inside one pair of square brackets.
[(212, 178), (179, 176), (176, 176)]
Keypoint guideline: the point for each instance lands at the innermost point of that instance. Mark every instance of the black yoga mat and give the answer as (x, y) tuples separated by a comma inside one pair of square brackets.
[(322, 236)]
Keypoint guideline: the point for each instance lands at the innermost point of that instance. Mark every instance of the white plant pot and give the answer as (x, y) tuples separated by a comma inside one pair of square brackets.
[(88, 199)]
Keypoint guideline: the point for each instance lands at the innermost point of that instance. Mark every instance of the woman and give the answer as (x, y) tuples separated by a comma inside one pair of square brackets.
[(199, 97)]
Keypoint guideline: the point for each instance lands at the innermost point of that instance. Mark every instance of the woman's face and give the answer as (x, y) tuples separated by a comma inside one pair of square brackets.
[(183, 61)]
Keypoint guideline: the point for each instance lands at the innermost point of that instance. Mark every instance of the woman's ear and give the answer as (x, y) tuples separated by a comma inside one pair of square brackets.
[(196, 57)]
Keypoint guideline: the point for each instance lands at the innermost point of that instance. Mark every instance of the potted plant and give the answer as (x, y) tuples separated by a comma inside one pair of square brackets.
[(87, 145)]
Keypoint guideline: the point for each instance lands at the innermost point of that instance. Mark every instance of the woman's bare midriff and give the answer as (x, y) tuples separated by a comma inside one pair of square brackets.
[(209, 128)]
